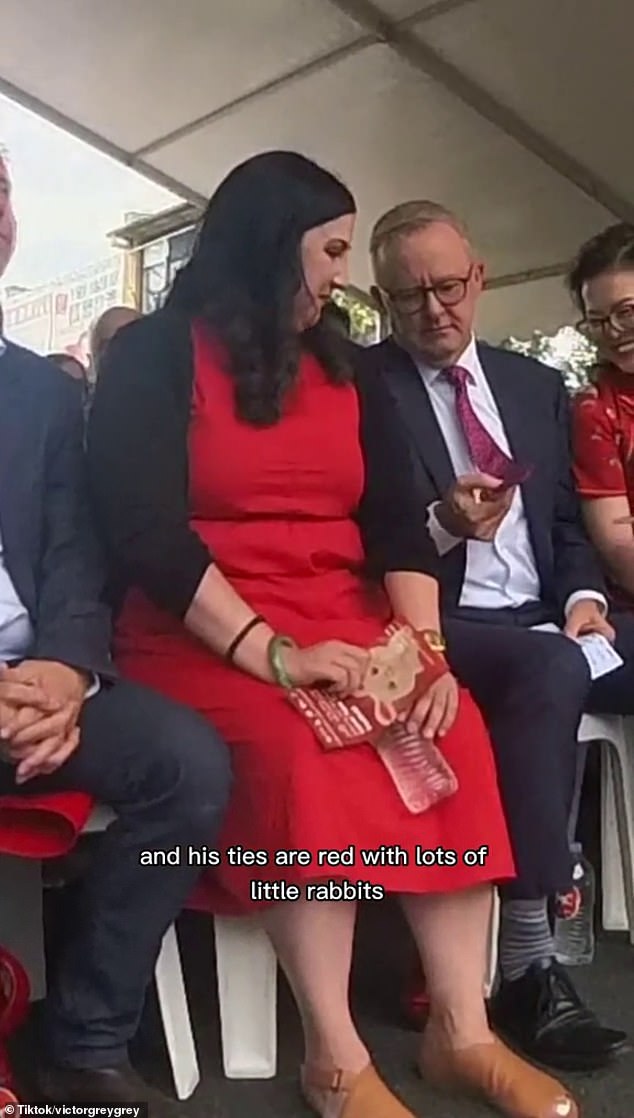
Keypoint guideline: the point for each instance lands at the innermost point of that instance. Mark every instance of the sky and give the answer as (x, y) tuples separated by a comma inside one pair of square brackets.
[(67, 197)]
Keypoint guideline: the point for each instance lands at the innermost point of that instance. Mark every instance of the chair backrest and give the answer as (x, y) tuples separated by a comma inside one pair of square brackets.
[(98, 820)]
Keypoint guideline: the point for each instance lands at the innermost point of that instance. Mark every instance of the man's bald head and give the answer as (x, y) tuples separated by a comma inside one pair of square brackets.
[(428, 279), (105, 328), (403, 220), (8, 229)]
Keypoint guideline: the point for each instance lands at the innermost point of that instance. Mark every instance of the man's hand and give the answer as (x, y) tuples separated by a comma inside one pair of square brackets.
[(45, 699), (435, 713), (587, 616), (473, 508)]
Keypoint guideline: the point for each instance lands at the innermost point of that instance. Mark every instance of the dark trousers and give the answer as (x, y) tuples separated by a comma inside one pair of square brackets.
[(165, 773), (532, 689)]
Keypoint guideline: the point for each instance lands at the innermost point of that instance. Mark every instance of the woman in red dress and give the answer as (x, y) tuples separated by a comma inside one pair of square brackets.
[(602, 284), (244, 477)]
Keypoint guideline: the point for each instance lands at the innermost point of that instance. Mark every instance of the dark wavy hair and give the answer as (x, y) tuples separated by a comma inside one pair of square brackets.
[(245, 272), (609, 251)]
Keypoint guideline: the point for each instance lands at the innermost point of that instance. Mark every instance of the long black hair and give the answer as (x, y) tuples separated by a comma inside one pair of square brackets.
[(245, 272)]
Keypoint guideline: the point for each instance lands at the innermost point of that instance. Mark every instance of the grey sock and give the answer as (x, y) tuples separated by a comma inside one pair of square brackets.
[(525, 936)]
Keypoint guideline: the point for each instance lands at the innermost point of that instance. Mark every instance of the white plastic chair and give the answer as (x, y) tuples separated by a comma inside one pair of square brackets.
[(246, 962), (494, 931), (246, 969), (616, 735), (22, 932), (246, 975)]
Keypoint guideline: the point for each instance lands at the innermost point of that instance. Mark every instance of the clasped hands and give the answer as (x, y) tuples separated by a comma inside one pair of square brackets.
[(40, 703), (341, 667)]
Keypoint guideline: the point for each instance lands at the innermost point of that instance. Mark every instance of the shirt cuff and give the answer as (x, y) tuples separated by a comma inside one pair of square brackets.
[(95, 686), (443, 539), (585, 595)]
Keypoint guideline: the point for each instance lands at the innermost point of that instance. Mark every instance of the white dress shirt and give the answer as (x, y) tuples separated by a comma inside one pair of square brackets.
[(16, 631), (503, 572)]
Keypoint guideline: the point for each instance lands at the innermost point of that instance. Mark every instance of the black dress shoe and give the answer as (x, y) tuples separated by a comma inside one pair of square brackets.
[(110, 1086), (542, 1016)]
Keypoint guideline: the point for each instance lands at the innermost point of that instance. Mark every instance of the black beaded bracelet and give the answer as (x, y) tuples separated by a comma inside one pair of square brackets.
[(237, 641)]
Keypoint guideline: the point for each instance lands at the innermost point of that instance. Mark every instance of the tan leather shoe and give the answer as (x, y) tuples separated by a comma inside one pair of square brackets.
[(350, 1095), (496, 1074)]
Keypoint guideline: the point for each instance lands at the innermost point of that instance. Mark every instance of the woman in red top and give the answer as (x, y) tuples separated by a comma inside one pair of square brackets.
[(245, 478), (602, 284)]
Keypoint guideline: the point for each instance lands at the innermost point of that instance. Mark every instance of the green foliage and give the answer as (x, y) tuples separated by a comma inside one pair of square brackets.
[(365, 320), (567, 350)]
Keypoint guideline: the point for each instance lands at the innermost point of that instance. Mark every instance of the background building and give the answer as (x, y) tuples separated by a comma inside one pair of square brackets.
[(57, 316)]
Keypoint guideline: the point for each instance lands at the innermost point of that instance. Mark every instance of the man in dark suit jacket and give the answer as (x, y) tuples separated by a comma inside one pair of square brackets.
[(67, 724), (488, 432)]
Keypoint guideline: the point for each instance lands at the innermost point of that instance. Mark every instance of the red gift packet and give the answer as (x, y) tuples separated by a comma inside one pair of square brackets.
[(402, 666)]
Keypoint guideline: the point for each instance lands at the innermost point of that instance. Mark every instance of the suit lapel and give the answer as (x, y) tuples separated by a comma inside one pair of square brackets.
[(417, 414)]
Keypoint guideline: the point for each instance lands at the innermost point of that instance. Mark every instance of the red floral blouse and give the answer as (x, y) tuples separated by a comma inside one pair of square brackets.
[(603, 442), (603, 437)]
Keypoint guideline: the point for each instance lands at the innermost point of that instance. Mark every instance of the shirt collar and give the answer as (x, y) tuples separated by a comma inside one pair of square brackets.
[(3, 346), (468, 360)]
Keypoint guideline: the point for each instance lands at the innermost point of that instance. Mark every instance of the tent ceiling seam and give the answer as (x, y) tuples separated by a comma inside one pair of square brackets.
[(425, 59)]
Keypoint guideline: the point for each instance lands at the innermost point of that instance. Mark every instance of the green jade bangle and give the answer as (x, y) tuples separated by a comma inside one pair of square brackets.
[(276, 645)]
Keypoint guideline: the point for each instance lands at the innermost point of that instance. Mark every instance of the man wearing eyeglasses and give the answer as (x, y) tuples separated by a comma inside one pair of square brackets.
[(488, 431)]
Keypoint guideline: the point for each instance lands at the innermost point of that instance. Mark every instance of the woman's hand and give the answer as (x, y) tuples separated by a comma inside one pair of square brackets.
[(436, 712), (334, 663)]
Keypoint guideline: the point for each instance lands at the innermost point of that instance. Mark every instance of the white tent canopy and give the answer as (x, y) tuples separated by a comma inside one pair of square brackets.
[(516, 113)]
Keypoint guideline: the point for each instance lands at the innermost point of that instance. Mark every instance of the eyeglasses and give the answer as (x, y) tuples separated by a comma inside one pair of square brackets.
[(620, 320), (448, 292)]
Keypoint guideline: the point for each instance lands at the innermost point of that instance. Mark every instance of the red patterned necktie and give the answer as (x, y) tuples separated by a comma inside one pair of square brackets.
[(486, 455)]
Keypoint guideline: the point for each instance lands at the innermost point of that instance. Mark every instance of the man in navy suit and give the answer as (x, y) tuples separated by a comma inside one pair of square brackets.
[(67, 724), (488, 432)]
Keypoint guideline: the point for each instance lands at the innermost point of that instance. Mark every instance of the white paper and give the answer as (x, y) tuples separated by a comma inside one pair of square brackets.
[(599, 653)]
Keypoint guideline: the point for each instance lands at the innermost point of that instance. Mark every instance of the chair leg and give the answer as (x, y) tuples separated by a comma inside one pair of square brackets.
[(620, 770), (172, 997), (614, 915), (494, 931), (21, 918), (246, 969), (573, 818)]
